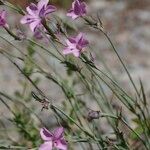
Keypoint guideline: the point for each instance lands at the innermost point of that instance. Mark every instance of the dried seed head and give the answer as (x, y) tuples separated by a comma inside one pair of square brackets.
[(45, 104), (93, 115)]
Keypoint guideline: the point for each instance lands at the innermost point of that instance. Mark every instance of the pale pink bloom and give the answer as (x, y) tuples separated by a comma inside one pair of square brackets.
[(75, 45), (3, 19), (36, 13), (78, 9), (53, 140)]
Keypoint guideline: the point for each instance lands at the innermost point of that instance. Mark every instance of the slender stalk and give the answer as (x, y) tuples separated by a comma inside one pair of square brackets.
[(93, 68), (120, 59), (12, 100), (45, 49), (49, 30), (96, 26), (122, 120), (8, 107), (12, 34), (12, 147), (86, 132)]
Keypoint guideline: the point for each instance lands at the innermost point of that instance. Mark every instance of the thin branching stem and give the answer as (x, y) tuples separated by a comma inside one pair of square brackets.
[(122, 120)]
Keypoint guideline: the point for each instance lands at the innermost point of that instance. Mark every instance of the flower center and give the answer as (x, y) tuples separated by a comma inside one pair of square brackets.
[(79, 48)]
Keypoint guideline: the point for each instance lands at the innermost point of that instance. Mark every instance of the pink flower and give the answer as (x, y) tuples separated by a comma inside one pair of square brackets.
[(3, 19), (53, 140), (75, 45), (78, 9), (36, 13)]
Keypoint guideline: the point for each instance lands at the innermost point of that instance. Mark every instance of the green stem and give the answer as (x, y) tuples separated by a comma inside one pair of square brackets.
[(96, 26), (86, 132), (122, 120), (49, 30), (123, 64), (42, 47), (12, 34)]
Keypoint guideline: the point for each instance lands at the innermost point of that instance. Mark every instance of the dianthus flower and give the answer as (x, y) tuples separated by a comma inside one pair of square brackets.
[(36, 13), (75, 45), (78, 9), (53, 140)]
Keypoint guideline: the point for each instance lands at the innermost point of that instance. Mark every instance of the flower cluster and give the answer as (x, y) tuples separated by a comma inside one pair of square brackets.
[(36, 17)]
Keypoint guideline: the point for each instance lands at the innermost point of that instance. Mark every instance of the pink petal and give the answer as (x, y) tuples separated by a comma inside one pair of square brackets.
[(79, 36), (76, 53), (26, 19), (42, 3), (3, 14), (70, 45), (58, 133), (61, 145), (77, 7), (72, 15), (67, 51), (34, 24), (72, 40), (33, 7), (83, 6), (50, 9), (3, 19), (30, 11), (84, 43), (81, 41), (46, 135), (73, 5), (46, 146)]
